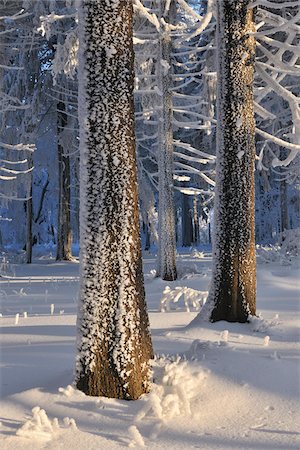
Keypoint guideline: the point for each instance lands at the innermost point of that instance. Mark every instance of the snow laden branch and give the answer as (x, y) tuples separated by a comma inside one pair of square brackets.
[(274, 4), (151, 17), (278, 80), (19, 147), (19, 15)]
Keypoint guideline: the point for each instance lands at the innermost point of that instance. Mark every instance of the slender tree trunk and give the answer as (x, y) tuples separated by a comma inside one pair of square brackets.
[(40, 208), (233, 291), (29, 217), (114, 343), (284, 206), (166, 268), (64, 232), (195, 221), (76, 201), (147, 235), (1, 241), (186, 221)]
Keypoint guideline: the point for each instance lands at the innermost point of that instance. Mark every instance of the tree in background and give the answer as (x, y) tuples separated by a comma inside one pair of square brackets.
[(114, 344)]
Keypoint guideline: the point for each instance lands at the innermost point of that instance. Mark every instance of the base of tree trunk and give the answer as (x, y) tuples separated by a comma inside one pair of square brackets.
[(169, 277), (106, 383), (219, 314)]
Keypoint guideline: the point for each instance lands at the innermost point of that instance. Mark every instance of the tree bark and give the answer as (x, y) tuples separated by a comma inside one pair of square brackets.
[(114, 342), (233, 291), (166, 268), (64, 231)]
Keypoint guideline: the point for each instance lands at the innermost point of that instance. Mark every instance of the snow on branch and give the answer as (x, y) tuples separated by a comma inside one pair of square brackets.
[(192, 191), (192, 149), (204, 21), (263, 112), (16, 172), (189, 10), (47, 21), (6, 178), (2, 66), (274, 4), (16, 16), (19, 147), (5, 161), (278, 141), (194, 170), (152, 18)]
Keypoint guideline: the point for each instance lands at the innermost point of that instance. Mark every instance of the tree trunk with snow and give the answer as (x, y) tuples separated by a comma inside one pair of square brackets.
[(114, 344), (64, 232), (166, 268), (232, 295)]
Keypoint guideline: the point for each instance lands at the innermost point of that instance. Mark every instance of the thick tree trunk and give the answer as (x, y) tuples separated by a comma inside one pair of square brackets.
[(64, 232), (114, 343), (166, 268), (233, 291)]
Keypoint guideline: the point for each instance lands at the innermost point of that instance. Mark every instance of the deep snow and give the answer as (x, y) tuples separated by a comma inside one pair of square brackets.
[(231, 387)]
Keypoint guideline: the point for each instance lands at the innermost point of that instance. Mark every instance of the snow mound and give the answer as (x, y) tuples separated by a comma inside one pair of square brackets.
[(177, 384), (39, 426), (191, 298)]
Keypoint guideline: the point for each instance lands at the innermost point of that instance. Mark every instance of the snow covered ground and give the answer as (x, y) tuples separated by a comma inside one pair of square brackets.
[(221, 386)]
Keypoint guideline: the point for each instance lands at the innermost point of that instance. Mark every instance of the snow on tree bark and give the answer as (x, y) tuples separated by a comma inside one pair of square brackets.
[(114, 344), (232, 295), (166, 210)]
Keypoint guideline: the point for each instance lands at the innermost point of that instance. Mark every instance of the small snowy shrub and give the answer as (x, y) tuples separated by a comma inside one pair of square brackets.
[(260, 325), (191, 298), (177, 384)]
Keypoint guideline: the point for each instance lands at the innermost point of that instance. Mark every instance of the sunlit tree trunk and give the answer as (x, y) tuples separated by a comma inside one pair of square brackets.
[(114, 345)]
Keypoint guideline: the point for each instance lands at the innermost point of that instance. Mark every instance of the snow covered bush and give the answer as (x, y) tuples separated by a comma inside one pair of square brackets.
[(260, 325), (177, 384), (191, 298)]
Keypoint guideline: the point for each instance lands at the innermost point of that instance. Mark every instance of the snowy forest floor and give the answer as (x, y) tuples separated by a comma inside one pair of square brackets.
[(236, 390)]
